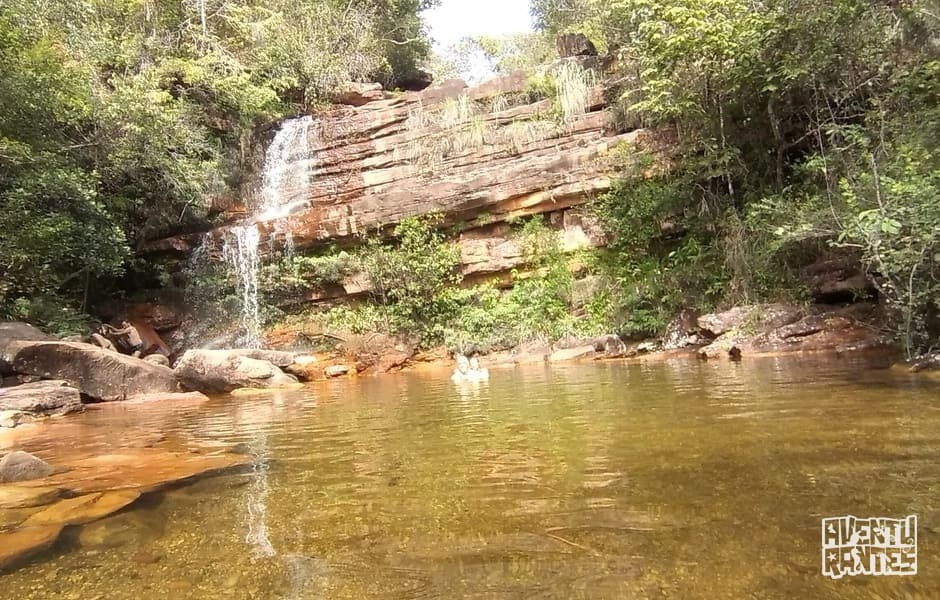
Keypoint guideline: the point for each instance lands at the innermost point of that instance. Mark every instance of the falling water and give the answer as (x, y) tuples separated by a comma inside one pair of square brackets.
[(285, 178), (241, 253), (283, 182)]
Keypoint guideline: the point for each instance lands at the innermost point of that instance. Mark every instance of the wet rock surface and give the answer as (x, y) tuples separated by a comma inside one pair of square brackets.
[(17, 546)]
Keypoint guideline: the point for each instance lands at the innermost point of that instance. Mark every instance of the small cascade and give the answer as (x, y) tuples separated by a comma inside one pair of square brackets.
[(241, 253), (283, 183), (285, 180)]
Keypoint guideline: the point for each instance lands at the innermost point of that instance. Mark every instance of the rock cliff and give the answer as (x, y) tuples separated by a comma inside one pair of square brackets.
[(480, 156)]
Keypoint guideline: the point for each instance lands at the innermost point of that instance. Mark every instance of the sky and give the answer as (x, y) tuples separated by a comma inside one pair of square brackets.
[(455, 19)]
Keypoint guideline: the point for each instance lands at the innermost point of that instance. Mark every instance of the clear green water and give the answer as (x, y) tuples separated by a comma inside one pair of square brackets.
[(655, 480)]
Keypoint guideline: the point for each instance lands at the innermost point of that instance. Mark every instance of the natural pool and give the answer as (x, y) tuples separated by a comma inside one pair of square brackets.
[(668, 479)]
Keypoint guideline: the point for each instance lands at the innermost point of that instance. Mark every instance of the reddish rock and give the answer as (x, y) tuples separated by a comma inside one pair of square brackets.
[(360, 94), (372, 170)]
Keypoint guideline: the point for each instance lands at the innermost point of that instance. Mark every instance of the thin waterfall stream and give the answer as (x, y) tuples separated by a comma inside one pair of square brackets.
[(285, 179)]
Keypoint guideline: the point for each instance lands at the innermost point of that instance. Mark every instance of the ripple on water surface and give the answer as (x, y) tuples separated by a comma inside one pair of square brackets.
[(661, 479)]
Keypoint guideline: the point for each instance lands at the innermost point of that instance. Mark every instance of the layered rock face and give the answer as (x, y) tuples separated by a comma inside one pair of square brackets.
[(480, 156)]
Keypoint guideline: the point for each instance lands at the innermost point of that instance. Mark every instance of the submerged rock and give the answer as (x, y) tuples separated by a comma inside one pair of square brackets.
[(221, 371), (141, 469), (16, 496), (18, 545), (95, 372), (23, 466), (83, 509), (175, 397)]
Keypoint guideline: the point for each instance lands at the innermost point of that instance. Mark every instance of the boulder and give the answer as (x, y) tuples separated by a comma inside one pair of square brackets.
[(95, 372), (158, 359), (531, 352), (824, 329), (569, 354), (359, 94), (17, 332), (23, 466), (222, 371), (275, 357), (41, 398), (304, 368), (575, 44), (752, 318), (336, 370)]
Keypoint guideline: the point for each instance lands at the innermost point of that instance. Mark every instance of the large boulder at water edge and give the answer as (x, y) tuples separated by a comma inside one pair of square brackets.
[(221, 371), (17, 332), (41, 398), (771, 329), (95, 372)]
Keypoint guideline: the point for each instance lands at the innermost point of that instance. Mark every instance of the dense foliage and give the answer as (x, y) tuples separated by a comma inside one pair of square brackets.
[(802, 125), (122, 121)]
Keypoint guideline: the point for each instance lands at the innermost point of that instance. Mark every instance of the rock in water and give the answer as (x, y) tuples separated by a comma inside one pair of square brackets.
[(95, 372), (83, 509), (41, 398), (23, 466), (20, 544), (221, 371), (336, 370)]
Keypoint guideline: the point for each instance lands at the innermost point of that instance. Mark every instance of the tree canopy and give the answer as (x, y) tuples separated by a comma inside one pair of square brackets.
[(121, 120)]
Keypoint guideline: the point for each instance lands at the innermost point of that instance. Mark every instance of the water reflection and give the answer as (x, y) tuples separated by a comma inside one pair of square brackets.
[(656, 479)]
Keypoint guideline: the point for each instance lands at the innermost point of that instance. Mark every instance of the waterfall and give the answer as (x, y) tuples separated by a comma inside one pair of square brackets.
[(283, 182), (241, 253), (285, 178)]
